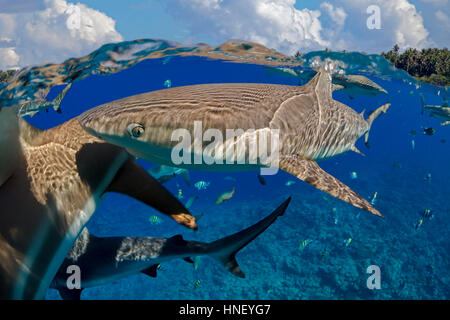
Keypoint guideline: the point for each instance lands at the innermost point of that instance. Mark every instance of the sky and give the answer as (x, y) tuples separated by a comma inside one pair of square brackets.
[(43, 31)]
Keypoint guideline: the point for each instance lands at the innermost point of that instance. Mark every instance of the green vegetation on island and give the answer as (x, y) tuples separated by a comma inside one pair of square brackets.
[(428, 65), (5, 76)]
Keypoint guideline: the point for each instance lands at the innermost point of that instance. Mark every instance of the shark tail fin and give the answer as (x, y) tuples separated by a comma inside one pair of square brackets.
[(372, 117), (57, 101), (224, 250)]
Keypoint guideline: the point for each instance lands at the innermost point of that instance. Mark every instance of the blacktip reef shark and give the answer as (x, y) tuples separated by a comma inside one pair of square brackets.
[(442, 113), (164, 173), (356, 85), (30, 108), (102, 260), (312, 126), (51, 183), (352, 85)]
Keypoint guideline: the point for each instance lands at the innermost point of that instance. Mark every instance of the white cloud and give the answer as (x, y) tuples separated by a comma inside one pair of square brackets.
[(401, 23), (59, 31), (276, 24)]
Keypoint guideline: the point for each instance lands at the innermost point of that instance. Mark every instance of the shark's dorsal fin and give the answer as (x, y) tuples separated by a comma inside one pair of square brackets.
[(310, 172), (178, 239), (151, 271), (70, 294), (321, 85)]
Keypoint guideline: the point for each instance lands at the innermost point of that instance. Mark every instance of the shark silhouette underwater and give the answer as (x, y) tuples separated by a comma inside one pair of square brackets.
[(102, 260), (51, 182), (312, 126)]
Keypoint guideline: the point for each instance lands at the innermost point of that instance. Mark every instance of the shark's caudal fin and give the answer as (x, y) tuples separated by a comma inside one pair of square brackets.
[(372, 117), (224, 250), (310, 172), (57, 101)]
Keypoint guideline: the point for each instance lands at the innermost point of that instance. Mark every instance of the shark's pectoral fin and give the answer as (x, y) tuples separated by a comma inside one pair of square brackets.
[(151, 271), (188, 259), (134, 181), (70, 294), (310, 172)]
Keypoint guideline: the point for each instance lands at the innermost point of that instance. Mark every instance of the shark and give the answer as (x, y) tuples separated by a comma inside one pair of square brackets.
[(442, 112), (356, 85), (105, 259), (51, 183), (352, 85), (30, 108), (311, 127), (165, 173)]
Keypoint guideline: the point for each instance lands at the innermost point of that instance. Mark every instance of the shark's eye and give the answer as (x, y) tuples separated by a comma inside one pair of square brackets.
[(135, 130)]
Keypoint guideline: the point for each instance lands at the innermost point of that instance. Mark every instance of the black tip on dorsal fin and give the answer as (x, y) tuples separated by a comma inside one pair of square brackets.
[(151, 271), (70, 294)]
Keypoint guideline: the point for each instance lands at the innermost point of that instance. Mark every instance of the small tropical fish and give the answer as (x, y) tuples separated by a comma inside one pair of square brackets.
[(397, 164), (167, 83), (154, 220), (428, 131), (225, 196), (353, 175), (335, 215), (196, 262), (413, 144), (202, 185), (229, 178), (190, 201), (289, 183), (261, 179), (413, 132), (443, 140), (180, 194), (196, 284), (427, 214), (418, 224), (324, 253), (427, 177), (348, 241), (373, 200), (304, 244), (430, 268)]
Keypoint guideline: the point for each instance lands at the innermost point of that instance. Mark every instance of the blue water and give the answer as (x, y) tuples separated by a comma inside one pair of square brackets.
[(414, 263)]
